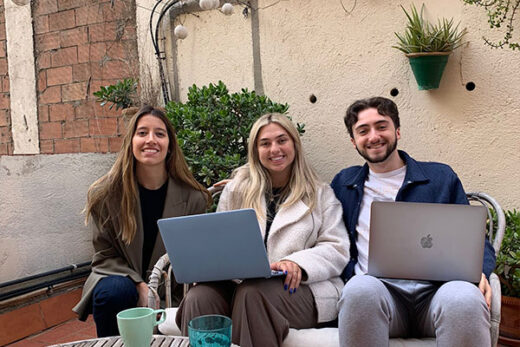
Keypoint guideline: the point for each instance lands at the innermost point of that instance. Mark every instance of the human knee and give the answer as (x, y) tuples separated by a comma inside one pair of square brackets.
[(460, 292), (362, 288), (199, 295), (460, 299), (249, 289), (115, 291)]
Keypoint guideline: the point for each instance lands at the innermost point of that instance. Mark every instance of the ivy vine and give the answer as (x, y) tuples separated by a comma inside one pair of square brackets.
[(500, 12)]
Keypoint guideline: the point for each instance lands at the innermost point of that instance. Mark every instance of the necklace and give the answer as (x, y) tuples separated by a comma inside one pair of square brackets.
[(275, 194)]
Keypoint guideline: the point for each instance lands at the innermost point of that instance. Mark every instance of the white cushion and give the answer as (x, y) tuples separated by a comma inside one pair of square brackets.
[(324, 337), (413, 342), (328, 337), (169, 327)]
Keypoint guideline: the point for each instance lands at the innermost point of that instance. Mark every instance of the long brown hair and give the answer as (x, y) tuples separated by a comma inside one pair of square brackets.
[(120, 184)]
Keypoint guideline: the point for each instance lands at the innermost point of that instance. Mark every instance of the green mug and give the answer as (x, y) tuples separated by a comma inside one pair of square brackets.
[(136, 325)]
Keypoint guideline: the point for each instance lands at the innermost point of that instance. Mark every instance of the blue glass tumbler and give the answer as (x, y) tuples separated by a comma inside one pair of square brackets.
[(210, 331)]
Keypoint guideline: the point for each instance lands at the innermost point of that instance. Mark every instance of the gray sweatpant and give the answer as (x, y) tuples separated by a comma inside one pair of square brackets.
[(372, 310)]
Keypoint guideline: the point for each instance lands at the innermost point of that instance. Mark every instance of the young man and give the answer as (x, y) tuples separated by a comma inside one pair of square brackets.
[(374, 309)]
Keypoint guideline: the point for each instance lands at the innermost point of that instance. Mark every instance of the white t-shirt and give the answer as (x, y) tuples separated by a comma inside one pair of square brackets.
[(378, 187)]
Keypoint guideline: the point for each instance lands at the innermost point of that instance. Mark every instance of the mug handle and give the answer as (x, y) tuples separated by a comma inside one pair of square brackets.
[(163, 316)]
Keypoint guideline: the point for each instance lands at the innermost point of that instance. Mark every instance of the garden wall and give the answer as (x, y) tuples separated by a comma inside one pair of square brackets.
[(318, 48), (79, 45), (315, 55)]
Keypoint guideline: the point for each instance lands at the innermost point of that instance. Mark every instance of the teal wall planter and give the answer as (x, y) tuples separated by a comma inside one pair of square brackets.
[(428, 67)]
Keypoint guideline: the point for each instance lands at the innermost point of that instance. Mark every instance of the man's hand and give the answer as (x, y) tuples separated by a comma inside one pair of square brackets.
[(293, 274), (222, 183), (485, 288), (142, 290)]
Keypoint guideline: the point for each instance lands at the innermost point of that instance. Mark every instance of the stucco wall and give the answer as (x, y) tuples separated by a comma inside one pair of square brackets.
[(41, 199), (306, 47), (217, 48), (315, 47)]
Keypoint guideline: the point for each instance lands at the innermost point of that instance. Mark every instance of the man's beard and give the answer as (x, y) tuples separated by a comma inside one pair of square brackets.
[(390, 148)]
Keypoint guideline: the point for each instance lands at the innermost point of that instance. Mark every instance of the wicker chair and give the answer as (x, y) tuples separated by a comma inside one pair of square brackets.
[(328, 337)]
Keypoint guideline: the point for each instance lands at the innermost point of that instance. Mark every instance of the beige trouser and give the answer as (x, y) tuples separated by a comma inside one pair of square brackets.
[(261, 310)]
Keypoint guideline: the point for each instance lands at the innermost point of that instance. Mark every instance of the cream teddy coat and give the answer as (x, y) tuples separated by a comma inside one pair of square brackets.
[(316, 241)]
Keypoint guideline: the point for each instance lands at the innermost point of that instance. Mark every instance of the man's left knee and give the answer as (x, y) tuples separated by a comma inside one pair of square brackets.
[(461, 298)]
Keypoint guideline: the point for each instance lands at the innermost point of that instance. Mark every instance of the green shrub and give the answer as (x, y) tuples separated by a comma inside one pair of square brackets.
[(213, 127), (123, 94), (508, 259)]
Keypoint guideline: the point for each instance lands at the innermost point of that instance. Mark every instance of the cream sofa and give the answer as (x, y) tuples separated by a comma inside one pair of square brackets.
[(324, 337), (328, 337)]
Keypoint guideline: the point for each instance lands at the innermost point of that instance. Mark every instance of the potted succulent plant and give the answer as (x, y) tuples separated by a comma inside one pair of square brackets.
[(428, 46), (508, 271)]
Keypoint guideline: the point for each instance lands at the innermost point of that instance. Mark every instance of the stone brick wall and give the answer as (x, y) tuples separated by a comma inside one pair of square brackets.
[(81, 45), (6, 140)]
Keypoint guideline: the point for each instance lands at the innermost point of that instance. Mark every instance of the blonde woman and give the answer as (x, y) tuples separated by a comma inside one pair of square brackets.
[(304, 235), (149, 180)]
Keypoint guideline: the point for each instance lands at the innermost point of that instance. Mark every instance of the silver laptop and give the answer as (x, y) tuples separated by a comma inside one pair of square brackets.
[(215, 246), (424, 241)]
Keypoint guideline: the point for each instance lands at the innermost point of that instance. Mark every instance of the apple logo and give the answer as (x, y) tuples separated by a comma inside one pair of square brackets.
[(426, 241)]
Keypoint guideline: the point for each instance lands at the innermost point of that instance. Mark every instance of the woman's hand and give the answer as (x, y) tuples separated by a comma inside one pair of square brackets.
[(293, 274), (142, 290)]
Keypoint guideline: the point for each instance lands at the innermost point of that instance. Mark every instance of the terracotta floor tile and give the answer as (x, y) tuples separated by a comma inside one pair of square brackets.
[(76, 325), (27, 343), (61, 339), (87, 332), (55, 334), (69, 331), (89, 327), (90, 330), (79, 337)]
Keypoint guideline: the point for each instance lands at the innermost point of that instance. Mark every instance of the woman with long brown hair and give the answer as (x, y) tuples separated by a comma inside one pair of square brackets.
[(148, 181)]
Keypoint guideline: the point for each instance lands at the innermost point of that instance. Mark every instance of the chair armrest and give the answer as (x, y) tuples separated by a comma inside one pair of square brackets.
[(496, 303), (496, 297), (155, 279)]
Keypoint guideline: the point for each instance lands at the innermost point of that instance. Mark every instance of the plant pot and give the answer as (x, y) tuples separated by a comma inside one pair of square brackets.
[(510, 321), (428, 67)]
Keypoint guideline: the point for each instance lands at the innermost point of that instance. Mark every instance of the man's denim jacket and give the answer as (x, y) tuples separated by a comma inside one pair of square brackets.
[(424, 182)]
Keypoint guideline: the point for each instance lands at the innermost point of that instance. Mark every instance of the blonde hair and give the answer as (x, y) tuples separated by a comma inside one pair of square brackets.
[(253, 179), (119, 185)]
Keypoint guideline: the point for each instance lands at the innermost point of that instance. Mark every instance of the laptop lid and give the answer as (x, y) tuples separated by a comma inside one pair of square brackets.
[(426, 241), (215, 246)]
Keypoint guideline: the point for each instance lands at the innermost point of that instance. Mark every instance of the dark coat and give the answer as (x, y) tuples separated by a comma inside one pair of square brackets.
[(112, 256)]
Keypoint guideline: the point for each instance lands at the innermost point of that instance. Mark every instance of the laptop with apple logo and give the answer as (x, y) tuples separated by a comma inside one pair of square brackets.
[(426, 241)]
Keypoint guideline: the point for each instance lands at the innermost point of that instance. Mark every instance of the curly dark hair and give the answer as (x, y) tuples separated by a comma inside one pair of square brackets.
[(384, 107)]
